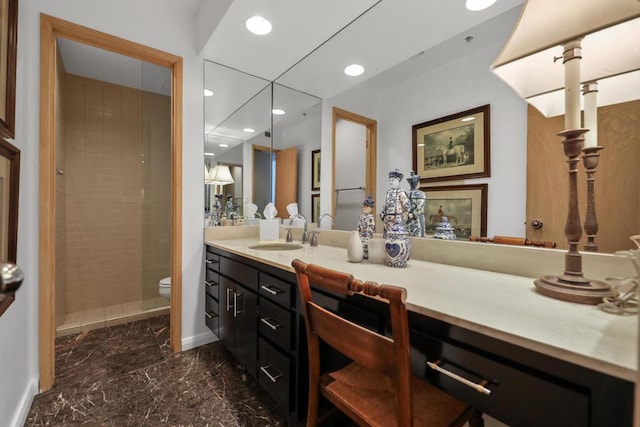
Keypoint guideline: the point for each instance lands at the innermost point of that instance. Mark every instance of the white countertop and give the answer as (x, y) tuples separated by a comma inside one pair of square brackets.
[(502, 306)]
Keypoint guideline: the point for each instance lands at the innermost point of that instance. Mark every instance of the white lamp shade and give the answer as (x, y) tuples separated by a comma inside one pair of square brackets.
[(610, 46), (220, 175)]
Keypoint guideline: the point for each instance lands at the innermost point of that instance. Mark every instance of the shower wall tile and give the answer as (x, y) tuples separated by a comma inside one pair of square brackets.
[(103, 223), (61, 272)]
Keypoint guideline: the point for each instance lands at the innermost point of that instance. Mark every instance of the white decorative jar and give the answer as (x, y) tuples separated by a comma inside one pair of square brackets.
[(355, 251)]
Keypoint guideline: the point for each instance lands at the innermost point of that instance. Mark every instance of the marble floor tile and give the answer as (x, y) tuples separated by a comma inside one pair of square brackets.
[(127, 375)]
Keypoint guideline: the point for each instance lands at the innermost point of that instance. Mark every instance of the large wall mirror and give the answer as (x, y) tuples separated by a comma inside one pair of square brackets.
[(448, 76), (453, 76), (264, 133)]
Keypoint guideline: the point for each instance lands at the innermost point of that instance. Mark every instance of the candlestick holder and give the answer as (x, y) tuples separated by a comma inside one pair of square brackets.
[(572, 285), (590, 158)]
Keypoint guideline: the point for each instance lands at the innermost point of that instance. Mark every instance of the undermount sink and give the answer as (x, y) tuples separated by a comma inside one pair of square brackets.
[(279, 246)]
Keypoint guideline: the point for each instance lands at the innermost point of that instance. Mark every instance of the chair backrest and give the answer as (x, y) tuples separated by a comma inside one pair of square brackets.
[(390, 356)]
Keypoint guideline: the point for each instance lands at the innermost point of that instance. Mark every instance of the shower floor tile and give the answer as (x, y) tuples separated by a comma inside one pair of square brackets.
[(112, 315)]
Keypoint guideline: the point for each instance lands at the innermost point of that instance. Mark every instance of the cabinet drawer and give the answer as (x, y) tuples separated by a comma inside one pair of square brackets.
[(275, 324), (277, 290), (211, 260), (245, 275), (514, 392), (211, 313), (274, 374), (212, 283)]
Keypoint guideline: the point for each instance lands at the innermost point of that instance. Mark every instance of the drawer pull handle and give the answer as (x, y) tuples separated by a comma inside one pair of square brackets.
[(210, 261), (267, 321), (210, 314), (210, 283), (273, 378), (271, 289), (478, 387)]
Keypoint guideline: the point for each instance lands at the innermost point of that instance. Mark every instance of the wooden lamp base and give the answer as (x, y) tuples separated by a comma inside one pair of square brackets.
[(566, 288)]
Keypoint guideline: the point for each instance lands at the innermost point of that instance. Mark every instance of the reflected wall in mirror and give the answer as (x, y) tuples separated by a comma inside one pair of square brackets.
[(296, 134), (237, 109), (9, 189)]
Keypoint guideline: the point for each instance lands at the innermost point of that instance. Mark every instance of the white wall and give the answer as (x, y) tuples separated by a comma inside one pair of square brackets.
[(454, 87), (165, 25)]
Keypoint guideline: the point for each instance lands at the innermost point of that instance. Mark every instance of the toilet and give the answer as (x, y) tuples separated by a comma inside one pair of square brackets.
[(164, 287)]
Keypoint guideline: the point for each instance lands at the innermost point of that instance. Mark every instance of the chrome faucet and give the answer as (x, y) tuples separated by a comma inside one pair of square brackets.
[(322, 216), (305, 235)]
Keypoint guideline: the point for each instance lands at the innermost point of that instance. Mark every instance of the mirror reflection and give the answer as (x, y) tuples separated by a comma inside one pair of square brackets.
[(444, 79), (258, 143), (455, 76)]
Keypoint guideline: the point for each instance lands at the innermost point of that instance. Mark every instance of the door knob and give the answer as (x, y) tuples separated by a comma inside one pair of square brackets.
[(10, 278), (536, 224)]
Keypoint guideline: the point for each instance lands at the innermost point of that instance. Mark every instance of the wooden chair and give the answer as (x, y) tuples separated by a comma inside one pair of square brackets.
[(376, 388)]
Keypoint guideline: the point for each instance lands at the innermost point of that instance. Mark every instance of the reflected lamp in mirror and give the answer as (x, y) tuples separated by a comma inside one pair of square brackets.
[(220, 175), (595, 40)]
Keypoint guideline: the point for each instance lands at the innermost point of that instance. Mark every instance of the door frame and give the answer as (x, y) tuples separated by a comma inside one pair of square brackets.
[(371, 174), (50, 29)]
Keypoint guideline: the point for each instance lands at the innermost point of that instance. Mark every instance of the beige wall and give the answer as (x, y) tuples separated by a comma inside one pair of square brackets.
[(103, 134), (156, 240)]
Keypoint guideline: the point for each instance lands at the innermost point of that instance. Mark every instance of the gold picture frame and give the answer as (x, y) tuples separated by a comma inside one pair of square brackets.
[(315, 170), (453, 147), (8, 46), (465, 207)]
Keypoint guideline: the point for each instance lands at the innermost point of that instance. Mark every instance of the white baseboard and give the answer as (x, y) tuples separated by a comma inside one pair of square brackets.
[(197, 340), (22, 411)]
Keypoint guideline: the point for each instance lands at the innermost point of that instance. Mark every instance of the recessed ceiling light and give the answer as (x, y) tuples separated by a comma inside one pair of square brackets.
[(209, 154), (278, 112), (248, 130), (354, 70), (467, 119), (208, 92), (476, 5), (258, 25), (223, 145)]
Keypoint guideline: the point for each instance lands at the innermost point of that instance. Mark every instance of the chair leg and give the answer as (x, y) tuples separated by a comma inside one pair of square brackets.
[(476, 420)]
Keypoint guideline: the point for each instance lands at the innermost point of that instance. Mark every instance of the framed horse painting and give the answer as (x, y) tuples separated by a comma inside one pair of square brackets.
[(453, 147), (464, 206)]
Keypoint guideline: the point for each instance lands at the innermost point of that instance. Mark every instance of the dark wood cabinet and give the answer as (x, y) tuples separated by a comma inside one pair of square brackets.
[(527, 388)]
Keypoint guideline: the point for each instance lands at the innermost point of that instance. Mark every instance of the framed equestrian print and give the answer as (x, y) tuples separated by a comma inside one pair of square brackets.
[(464, 206), (453, 147)]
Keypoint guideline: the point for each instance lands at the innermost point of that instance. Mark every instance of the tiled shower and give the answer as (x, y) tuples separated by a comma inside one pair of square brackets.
[(113, 223)]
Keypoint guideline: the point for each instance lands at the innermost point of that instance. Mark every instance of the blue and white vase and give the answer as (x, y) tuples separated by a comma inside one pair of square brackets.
[(397, 247)]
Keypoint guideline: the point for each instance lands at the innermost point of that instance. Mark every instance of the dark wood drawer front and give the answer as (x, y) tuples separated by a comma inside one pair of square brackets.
[(274, 374), (212, 284), (212, 261), (242, 274), (277, 290), (275, 324), (211, 312), (514, 392)]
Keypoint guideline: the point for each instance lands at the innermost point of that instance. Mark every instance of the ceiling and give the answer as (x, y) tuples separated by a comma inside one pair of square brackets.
[(309, 47)]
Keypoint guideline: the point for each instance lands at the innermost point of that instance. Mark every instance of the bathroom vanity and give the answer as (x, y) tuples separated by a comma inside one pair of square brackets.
[(541, 362)]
